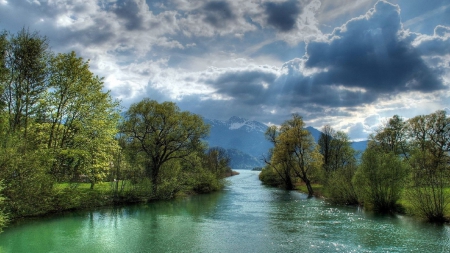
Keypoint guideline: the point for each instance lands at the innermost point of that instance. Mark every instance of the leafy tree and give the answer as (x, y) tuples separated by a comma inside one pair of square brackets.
[(81, 119), (3, 70), (26, 60), (218, 160), (3, 216), (158, 133), (295, 148), (340, 185), (341, 169), (391, 137), (430, 163), (276, 166), (380, 179), (325, 139)]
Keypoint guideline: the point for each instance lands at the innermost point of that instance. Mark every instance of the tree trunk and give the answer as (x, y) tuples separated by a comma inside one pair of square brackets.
[(310, 189)]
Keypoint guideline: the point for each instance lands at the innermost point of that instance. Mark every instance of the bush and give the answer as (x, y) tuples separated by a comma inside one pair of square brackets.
[(379, 180), (340, 186), (270, 177)]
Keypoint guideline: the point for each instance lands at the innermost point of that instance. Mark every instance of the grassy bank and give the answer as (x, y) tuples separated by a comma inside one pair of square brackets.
[(405, 207)]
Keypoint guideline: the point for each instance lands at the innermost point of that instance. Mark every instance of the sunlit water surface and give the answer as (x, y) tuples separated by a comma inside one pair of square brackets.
[(245, 217)]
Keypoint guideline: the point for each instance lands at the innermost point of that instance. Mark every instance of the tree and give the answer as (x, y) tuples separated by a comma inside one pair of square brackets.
[(159, 133), (380, 179), (26, 60), (277, 166), (81, 120), (295, 149), (430, 164), (218, 160), (325, 139), (341, 169), (391, 137), (3, 70), (3, 216)]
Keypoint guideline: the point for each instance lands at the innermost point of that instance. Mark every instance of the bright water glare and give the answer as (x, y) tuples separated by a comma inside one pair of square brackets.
[(245, 217)]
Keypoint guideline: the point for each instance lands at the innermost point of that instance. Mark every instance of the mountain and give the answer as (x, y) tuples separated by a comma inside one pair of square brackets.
[(245, 142), (242, 161), (241, 134), (359, 145), (315, 133)]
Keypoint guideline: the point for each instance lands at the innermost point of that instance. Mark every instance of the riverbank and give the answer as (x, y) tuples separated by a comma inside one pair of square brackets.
[(247, 215), (80, 196), (404, 207)]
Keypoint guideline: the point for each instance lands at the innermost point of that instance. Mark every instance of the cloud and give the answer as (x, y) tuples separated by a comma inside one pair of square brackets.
[(435, 45), (369, 52), (282, 16), (217, 13), (130, 12), (245, 86)]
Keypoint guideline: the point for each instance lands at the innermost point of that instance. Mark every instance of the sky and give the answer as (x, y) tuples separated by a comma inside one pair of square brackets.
[(350, 64)]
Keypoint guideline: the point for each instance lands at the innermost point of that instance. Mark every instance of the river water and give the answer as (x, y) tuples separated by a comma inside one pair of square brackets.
[(245, 217)]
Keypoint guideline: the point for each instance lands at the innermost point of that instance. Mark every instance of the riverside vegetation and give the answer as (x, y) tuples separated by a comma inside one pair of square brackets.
[(64, 144), (405, 168)]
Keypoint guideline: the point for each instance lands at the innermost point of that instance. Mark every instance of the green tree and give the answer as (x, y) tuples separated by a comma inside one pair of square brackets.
[(430, 164), (341, 169), (159, 133), (3, 216), (325, 140), (3, 70), (82, 120), (380, 179), (27, 57), (295, 148), (217, 160), (277, 164), (391, 137)]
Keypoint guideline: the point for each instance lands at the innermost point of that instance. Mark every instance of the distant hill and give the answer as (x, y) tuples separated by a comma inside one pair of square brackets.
[(245, 142)]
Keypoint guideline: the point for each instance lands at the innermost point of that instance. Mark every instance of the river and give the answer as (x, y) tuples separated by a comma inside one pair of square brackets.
[(245, 217)]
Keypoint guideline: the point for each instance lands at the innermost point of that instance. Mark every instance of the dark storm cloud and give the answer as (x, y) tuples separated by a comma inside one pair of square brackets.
[(298, 90), (249, 86), (282, 16), (217, 13), (369, 53), (129, 11)]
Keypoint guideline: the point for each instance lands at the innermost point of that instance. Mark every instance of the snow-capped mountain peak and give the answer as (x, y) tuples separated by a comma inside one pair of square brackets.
[(235, 123)]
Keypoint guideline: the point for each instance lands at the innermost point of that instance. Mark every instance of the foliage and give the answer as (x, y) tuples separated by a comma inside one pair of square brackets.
[(295, 152), (158, 133), (430, 164), (340, 168), (3, 215), (380, 179), (325, 140), (340, 186), (270, 177), (218, 160)]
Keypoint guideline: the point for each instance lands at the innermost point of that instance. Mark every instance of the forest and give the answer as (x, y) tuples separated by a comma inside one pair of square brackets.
[(405, 168), (65, 144)]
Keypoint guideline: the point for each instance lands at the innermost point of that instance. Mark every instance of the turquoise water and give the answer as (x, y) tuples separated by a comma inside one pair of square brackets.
[(245, 217)]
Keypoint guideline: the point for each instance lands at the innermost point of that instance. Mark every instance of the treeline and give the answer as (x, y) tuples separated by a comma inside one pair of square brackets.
[(405, 168), (60, 131)]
